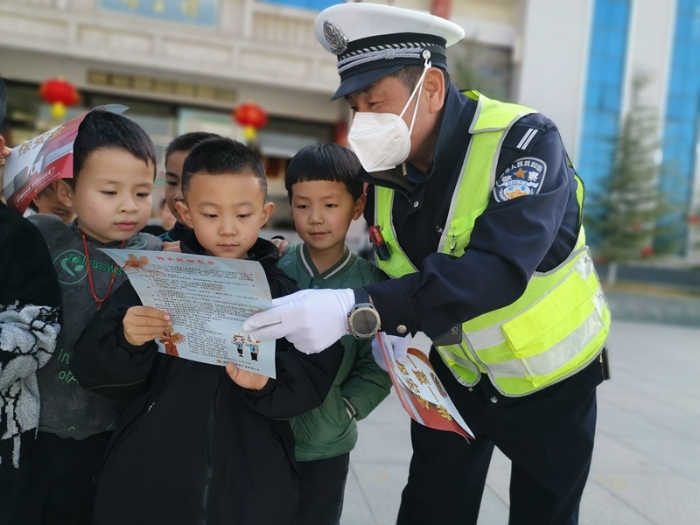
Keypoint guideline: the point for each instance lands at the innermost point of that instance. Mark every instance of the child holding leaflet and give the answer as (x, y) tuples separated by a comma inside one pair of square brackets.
[(114, 168), (325, 193), (202, 443)]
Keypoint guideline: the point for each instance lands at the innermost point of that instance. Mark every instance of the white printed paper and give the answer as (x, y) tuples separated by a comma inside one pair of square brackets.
[(208, 299)]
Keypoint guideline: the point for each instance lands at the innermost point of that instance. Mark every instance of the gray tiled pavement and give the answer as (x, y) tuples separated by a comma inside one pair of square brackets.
[(646, 464)]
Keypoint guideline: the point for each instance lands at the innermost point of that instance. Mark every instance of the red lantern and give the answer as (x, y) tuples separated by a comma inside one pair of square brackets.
[(252, 117), (60, 94), (441, 8), (693, 219), (646, 251)]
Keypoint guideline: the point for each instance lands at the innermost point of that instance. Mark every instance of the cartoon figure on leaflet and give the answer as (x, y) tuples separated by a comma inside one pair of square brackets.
[(238, 341), (253, 348), (170, 341)]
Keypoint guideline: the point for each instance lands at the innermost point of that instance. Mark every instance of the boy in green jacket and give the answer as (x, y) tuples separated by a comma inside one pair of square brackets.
[(325, 193)]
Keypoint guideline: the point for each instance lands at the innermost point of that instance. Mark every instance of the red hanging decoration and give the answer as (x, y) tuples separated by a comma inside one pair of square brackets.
[(252, 117), (693, 219), (60, 94), (441, 8)]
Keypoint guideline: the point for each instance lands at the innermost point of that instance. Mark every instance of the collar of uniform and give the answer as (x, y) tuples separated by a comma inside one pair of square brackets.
[(341, 266), (457, 116)]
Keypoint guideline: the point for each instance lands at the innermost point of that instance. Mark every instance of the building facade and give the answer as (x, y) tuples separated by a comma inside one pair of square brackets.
[(184, 64)]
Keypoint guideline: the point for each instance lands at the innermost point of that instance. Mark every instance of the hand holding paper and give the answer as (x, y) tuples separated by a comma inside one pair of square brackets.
[(6, 152), (312, 320), (143, 324), (400, 347), (245, 379), (172, 247)]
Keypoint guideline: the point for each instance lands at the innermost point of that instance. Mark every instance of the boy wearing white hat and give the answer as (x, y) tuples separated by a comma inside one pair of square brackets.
[(479, 211)]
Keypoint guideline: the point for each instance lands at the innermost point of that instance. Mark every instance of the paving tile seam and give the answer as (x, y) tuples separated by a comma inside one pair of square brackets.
[(642, 393), (642, 417), (364, 496), (495, 493), (674, 471), (625, 503), (655, 462)]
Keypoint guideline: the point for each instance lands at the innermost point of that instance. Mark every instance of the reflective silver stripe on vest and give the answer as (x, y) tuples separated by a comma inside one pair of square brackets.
[(554, 358), (493, 335), (448, 355), (453, 202)]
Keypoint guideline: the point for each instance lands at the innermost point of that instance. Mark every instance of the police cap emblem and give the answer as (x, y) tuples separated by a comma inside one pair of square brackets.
[(335, 37)]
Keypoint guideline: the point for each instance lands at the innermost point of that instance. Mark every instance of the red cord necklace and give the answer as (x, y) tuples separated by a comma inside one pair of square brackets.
[(89, 270)]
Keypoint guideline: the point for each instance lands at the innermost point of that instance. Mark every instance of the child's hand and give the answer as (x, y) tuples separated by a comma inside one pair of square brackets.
[(4, 153), (143, 324), (280, 244), (246, 379), (171, 246)]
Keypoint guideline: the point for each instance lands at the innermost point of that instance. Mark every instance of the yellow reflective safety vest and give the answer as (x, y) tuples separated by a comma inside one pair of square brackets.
[(560, 323)]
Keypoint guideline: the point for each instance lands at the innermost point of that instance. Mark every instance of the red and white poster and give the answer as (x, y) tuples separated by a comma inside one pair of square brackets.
[(34, 165), (420, 391)]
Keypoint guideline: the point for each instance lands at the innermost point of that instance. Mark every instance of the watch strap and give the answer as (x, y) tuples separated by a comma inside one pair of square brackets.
[(361, 296)]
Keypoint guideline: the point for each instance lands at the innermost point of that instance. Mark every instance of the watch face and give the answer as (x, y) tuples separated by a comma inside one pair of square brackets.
[(365, 321)]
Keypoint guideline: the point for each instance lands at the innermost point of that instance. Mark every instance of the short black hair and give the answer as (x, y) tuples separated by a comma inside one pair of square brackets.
[(3, 99), (330, 162), (187, 141), (221, 156), (103, 129), (409, 76), (48, 190)]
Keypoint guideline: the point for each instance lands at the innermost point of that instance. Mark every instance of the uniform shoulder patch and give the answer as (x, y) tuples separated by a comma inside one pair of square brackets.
[(524, 177)]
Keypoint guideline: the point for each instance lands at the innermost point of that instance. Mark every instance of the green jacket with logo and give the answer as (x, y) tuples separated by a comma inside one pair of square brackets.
[(331, 430)]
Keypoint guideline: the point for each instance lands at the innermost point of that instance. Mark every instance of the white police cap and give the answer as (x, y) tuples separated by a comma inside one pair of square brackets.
[(372, 41)]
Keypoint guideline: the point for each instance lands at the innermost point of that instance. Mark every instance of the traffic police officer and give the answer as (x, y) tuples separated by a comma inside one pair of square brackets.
[(480, 210)]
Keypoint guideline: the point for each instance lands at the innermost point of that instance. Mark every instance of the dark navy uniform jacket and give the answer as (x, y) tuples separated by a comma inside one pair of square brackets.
[(511, 240)]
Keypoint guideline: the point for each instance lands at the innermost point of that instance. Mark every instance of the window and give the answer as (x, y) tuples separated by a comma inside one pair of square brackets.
[(605, 80), (682, 108), (315, 5)]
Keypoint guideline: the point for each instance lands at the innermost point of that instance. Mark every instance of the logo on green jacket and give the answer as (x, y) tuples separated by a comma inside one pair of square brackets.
[(71, 267)]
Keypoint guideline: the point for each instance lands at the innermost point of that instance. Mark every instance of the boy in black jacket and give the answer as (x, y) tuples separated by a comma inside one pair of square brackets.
[(202, 444)]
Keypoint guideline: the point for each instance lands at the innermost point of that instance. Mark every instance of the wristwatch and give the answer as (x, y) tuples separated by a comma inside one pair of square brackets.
[(363, 319)]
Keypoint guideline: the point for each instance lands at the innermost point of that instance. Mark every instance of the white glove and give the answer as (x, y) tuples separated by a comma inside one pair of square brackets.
[(400, 346), (312, 320)]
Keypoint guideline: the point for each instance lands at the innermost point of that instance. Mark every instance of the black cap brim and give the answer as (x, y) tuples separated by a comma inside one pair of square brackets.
[(361, 80)]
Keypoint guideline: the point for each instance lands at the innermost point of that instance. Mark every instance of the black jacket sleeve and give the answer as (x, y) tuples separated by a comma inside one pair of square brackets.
[(303, 381), (302, 384), (104, 361)]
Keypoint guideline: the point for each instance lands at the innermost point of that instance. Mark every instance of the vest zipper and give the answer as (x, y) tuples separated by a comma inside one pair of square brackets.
[(453, 240)]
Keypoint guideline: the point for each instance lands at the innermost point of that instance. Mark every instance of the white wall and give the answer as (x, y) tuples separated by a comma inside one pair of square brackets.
[(650, 47), (551, 59)]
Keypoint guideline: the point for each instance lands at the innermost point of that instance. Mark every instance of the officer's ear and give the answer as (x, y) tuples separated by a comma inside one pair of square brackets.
[(434, 87)]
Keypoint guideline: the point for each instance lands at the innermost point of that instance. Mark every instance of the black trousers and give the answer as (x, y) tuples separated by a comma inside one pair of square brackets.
[(322, 490), (56, 482), (548, 436)]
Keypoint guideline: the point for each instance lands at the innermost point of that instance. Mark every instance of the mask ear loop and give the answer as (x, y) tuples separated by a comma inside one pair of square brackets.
[(428, 65)]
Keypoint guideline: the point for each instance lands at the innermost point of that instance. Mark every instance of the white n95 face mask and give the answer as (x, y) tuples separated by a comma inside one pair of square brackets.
[(382, 141)]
